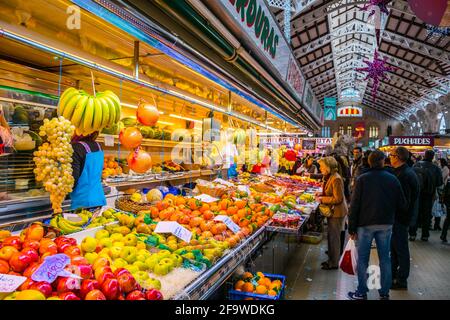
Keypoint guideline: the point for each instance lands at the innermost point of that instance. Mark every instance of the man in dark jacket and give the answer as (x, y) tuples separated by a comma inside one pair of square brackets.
[(430, 176), (357, 162), (376, 198), (399, 243)]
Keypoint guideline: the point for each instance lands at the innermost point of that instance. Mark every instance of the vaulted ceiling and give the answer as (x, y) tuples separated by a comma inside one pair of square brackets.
[(331, 38)]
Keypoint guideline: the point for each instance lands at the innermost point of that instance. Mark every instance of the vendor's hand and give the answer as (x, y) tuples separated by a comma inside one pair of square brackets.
[(354, 236)]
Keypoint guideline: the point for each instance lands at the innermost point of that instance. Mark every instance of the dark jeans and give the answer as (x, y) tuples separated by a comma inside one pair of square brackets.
[(382, 236), (424, 218), (400, 253), (446, 225)]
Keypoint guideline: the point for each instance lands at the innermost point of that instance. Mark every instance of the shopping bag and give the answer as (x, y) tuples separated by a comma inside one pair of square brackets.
[(439, 209), (349, 258)]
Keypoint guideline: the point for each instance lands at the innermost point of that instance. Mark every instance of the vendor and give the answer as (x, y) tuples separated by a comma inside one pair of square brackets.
[(87, 167), (307, 167)]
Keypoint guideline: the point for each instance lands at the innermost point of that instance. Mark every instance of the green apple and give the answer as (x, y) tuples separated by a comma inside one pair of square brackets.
[(141, 276), (107, 214), (164, 253), (129, 254), (141, 257), (100, 234), (144, 252), (116, 237), (152, 261), (132, 268), (118, 244), (151, 284), (141, 265), (105, 242), (209, 252), (91, 257), (89, 244), (130, 240), (177, 260), (120, 263), (115, 251), (189, 256), (162, 268)]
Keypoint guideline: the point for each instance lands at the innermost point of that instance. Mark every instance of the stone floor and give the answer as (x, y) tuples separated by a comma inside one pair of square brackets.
[(429, 279)]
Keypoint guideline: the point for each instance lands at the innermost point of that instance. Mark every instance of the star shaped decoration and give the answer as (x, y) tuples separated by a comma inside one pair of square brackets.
[(382, 4), (376, 70)]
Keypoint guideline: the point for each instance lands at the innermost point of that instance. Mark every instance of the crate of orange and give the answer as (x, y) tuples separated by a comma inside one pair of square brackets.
[(259, 286)]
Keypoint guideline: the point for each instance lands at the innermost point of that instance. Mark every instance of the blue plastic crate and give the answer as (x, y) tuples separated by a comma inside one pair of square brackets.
[(240, 295)]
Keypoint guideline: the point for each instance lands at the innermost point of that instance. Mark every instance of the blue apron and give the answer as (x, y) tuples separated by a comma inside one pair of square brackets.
[(89, 191)]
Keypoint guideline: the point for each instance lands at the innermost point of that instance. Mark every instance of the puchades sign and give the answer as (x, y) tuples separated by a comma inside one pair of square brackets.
[(411, 141)]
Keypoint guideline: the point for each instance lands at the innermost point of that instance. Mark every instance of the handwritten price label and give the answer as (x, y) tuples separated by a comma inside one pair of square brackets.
[(174, 228), (229, 223), (9, 283), (51, 268)]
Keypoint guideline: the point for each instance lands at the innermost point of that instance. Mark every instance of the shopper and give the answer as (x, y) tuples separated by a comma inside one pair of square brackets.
[(430, 178), (399, 243), (445, 172), (87, 167), (333, 196), (357, 162), (446, 200), (364, 167), (376, 198)]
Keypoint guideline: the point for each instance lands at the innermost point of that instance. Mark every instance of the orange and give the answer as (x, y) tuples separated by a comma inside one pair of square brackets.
[(195, 213), (232, 210), (207, 234), (276, 283), (224, 204), (261, 289), (180, 201), (243, 223), (272, 293), (241, 213), (193, 203), (214, 208), (239, 285), (231, 242), (240, 204), (248, 287), (215, 229), (247, 276), (195, 222), (260, 274), (154, 212), (204, 207), (208, 215)]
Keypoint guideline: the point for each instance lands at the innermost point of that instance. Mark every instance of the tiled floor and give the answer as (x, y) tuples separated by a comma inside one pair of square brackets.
[(429, 279)]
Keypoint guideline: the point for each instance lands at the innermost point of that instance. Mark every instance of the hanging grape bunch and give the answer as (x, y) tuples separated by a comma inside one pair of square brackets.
[(54, 160)]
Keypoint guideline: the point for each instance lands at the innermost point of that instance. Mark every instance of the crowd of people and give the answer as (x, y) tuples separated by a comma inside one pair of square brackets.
[(385, 199)]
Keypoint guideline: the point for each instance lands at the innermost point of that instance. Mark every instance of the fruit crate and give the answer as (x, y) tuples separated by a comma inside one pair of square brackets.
[(240, 295)]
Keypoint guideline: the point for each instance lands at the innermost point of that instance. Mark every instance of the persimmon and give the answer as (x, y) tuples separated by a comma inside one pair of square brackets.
[(248, 287), (239, 285), (240, 204), (206, 225), (261, 289), (272, 293), (247, 276), (180, 201), (154, 212), (232, 210), (223, 212), (196, 213), (204, 207), (195, 222), (219, 237), (214, 208), (224, 204), (208, 215), (207, 234), (241, 213)]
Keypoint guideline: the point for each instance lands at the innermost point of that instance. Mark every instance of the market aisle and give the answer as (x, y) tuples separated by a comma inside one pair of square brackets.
[(429, 278)]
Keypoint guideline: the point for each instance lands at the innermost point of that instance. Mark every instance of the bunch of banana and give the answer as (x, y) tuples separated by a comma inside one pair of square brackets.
[(89, 113), (68, 226)]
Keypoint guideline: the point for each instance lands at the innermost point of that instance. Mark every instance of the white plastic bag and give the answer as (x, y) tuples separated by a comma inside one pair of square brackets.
[(349, 259), (439, 209)]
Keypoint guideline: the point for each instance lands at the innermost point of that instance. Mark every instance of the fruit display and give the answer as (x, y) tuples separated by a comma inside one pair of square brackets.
[(307, 198), (139, 161), (154, 195), (147, 114), (286, 220), (53, 160), (171, 166), (130, 137), (111, 167), (259, 285), (89, 113)]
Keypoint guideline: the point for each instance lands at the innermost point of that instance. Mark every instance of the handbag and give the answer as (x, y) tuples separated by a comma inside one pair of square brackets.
[(326, 210)]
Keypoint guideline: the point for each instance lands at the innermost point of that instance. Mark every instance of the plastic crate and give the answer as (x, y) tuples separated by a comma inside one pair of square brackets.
[(240, 295)]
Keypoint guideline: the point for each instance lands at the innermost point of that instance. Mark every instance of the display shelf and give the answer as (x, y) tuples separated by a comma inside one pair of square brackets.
[(205, 285), (153, 142)]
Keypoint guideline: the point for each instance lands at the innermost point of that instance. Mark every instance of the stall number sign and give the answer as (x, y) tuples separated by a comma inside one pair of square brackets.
[(228, 222), (53, 267), (9, 283), (411, 141), (174, 228)]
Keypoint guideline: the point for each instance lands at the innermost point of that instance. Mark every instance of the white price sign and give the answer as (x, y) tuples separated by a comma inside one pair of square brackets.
[(109, 140), (229, 223), (9, 283), (174, 228), (206, 198)]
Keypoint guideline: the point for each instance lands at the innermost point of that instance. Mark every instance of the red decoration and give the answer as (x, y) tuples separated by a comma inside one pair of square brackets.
[(434, 12), (376, 70)]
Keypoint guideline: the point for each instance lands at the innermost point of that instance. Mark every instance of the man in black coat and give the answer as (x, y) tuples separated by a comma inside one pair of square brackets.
[(376, 198), (399, 243)]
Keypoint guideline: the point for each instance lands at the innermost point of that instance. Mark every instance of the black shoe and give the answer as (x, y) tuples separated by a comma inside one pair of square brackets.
[(437, 228), (326, 266), (356, 296), (384, 297), (399, 285), (324, 263), (424, 239), (444, 239), (412, 238)]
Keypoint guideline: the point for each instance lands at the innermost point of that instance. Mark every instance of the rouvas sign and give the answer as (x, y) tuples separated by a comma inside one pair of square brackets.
[(411, 141)]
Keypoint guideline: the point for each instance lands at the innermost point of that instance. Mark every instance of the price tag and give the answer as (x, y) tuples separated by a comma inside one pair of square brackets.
[(224, 182), (109, 140), (206, 198), (229, 223), (9, 283), (72, 217), (174, 228), (51, 268)]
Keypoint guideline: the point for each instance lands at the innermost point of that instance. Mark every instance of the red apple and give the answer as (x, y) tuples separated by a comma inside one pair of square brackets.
[(68, 296), (95, 295), (28, 272), (33, 244), (135, 295), (78, 260), (44, 287), (26, 285), (120, 271), (127, 282), (67, 284), (34, 232), (48, 246), (63, 246), (72, 251), (104, 276), (100, 270), (154, 294), (32, 254), (4, 266), (83, 270), (19, 261), (111, 289), (13, 241), (87, 286), (6, 252)]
